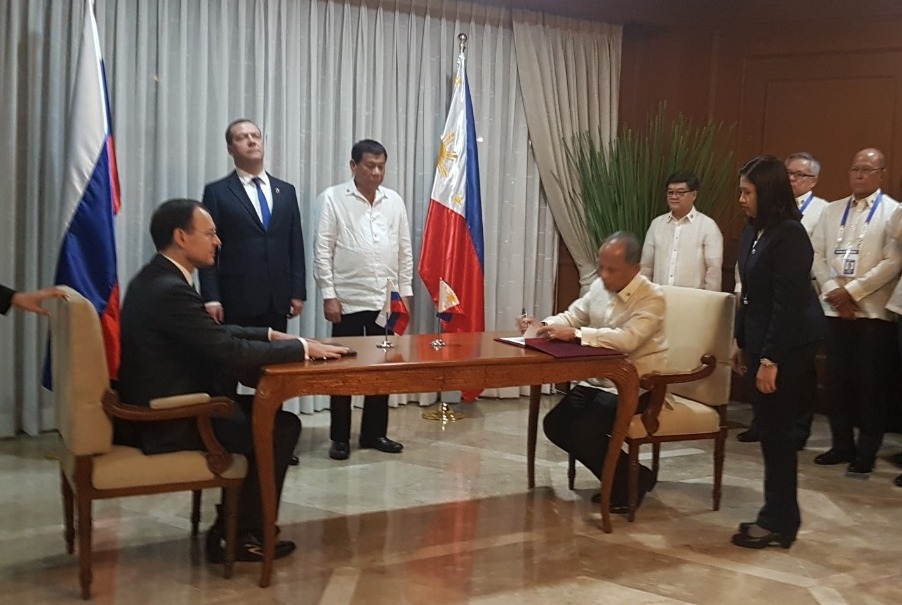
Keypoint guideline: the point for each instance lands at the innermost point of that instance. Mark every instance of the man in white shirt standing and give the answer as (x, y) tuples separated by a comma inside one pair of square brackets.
[(683, 247), (856, 264), (803, 170), (362, 242)]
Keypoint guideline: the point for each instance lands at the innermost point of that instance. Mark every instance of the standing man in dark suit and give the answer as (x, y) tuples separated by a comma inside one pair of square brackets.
[(171, 346), (259, 278)]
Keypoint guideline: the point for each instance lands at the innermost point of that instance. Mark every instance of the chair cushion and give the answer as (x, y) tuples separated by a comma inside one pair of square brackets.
[(124, 467), (679, 416), (700, 322)]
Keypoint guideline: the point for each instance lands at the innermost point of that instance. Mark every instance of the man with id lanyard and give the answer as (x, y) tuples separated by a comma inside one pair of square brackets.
[(856, 265)]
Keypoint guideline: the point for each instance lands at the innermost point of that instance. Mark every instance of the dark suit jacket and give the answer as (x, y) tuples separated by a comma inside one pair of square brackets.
[(6, 299), (255, 268), (171, 346), (778, 309)]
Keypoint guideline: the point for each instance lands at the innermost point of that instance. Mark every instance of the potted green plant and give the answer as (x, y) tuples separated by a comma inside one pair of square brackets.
[(619, 185)]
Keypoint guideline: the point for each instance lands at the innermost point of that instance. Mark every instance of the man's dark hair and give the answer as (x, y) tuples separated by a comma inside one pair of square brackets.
[(228, 133), (367, 146), (632, 251), (684, 176), (169, 216), (776, 202)]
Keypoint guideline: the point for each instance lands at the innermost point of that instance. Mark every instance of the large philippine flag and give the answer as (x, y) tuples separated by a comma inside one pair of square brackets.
[(90, 200), (452, 238)]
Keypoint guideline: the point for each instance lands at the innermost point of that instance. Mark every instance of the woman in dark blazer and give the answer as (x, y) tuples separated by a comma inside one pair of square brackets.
[(779, 324)]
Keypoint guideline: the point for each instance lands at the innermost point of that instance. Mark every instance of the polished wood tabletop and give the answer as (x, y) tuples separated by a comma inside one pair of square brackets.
[(468, 361)]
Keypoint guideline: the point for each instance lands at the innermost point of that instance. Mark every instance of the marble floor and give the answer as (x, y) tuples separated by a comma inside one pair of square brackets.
[(450, 520)]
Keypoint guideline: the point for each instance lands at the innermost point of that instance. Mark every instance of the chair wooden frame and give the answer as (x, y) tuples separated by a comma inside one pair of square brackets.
[(80, 492), (657, 383)]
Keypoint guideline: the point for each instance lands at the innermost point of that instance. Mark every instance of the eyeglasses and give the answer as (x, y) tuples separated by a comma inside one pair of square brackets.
[(680, 193), (864, 171), (211, 233), (795, 174)]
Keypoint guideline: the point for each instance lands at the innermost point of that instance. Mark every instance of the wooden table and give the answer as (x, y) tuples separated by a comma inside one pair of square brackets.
[(469, 361)]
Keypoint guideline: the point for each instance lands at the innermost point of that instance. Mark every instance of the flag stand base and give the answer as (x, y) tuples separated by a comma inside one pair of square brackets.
[(385, 344), (444, 414)]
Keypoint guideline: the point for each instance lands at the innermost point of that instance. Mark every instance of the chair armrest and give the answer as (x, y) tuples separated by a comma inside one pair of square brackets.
[(170, 410), (199, 406), (657, 382), (178, 401)]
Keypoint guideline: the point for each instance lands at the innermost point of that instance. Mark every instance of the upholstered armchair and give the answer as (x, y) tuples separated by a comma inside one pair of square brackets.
[(93, 468), (689, 398)]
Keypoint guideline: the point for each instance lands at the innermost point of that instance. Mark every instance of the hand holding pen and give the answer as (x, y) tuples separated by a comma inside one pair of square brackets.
[(524, 321)]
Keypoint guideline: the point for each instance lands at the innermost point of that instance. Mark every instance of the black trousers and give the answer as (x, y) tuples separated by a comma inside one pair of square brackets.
[(859, 362), (801, 425), (273, 318), (236, 435), (286, 431), (375, 407), (776, 414), (581, 425)]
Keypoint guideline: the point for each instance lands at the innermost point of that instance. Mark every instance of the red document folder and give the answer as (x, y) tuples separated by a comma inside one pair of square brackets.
[(560, 348)]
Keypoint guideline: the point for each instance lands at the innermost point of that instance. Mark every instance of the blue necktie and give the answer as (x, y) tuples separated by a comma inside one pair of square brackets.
[(265, 214)]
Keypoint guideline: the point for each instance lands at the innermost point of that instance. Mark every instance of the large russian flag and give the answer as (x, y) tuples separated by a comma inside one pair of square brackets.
[(90, 199), (452, 238)]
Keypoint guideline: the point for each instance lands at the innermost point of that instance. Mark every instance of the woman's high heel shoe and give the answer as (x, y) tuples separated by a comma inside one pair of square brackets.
[(744, 540)]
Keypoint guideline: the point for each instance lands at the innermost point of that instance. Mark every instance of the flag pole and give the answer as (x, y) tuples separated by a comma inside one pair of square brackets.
[(444, 413)]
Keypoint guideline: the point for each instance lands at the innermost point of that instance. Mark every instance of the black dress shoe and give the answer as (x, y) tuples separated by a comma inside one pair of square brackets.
[(744, 540), (620, 504), (897, 459), (340, 450), (833, 456), (898, 481), (249, 548), (294, 461), (383, 444), (860, 468), (748, 436)]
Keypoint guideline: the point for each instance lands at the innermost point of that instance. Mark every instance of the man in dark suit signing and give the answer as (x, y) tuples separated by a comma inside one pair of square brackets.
[(171, 346), (259, 278)]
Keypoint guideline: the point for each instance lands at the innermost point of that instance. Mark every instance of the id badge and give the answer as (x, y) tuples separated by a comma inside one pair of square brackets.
[(845, 262)]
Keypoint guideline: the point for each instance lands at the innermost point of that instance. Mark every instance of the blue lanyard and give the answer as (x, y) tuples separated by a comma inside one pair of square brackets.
[(845, 217), (808, 201)]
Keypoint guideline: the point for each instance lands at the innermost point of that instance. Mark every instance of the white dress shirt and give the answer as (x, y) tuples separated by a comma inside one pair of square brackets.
[(684, 252), (630, 321), (247, 179), (811, 210), (360, 246), (895, 231), (879, 258)]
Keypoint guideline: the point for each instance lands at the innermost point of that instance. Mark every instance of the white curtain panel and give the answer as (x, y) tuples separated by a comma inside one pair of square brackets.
[(316, 76), (570, 75)]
